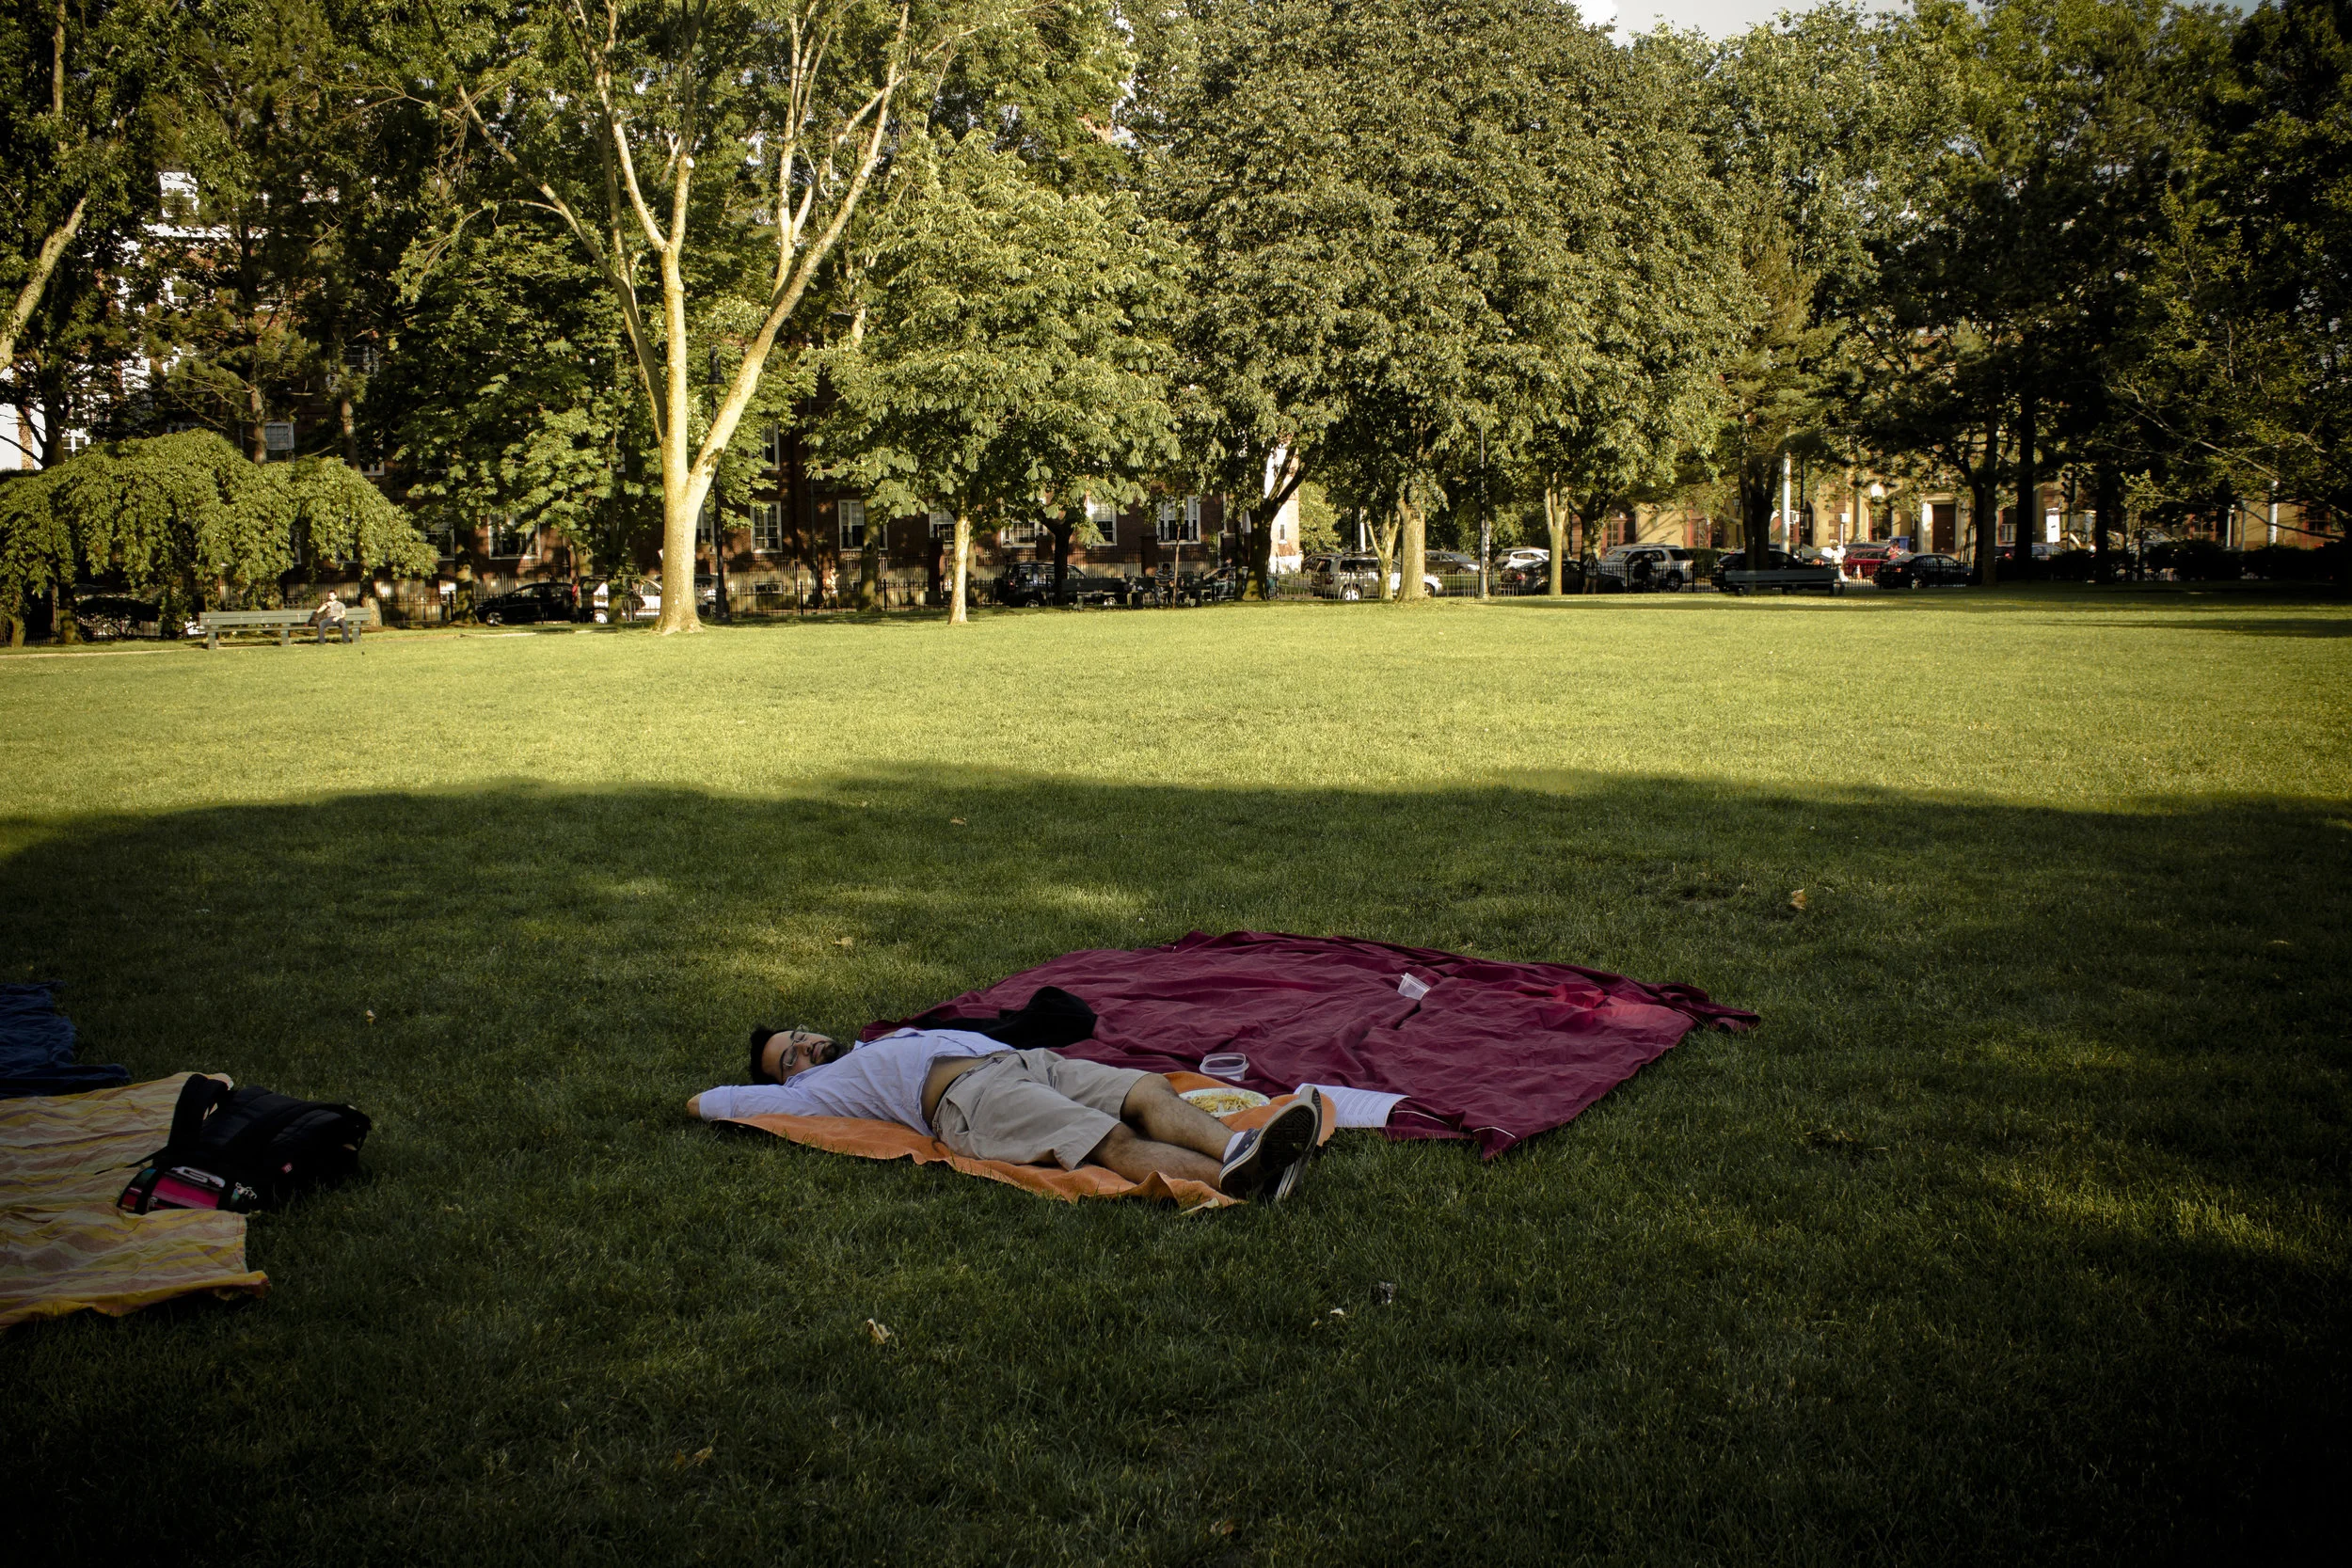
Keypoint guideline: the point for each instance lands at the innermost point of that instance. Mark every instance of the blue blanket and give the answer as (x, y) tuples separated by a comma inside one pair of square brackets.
[(37, 1046)]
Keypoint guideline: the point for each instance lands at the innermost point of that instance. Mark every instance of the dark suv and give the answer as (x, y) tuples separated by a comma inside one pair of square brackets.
[(1925, 571), (537, 601)]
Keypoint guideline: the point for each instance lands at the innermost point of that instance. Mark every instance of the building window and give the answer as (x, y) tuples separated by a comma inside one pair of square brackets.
[(1103, 517), (768, 527), (943, 525), (772, 447), (505, 538), (1018, 533), (852, 514), (1180, 521)]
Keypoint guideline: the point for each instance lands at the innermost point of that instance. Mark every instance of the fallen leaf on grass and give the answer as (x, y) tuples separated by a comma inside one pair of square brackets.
[(1223, 1526), (958, 822), (681, 1461), (1796, 899), (845, 942), (877, 1333)]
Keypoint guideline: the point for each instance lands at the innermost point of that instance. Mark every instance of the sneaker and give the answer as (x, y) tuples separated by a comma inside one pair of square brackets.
[(1268, 1152), (1296, 1171)]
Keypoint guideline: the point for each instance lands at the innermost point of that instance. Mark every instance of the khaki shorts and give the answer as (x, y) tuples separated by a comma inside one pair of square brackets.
[(1025, 1105)]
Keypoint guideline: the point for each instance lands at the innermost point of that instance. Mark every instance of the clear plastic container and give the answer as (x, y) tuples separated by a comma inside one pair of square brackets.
[(1231, 1065)]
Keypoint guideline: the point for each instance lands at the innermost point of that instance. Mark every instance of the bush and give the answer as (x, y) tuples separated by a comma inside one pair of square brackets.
[(2069, 566), (2196, 561), (2286, 563)]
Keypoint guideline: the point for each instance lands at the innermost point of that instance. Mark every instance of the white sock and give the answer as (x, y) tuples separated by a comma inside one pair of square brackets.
[(1232, 1144)]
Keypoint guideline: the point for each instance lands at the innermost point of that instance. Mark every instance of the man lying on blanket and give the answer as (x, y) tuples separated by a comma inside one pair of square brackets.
[(990, 1103)]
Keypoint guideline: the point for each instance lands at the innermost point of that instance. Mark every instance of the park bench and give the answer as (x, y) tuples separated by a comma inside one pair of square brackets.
[(357, 619)]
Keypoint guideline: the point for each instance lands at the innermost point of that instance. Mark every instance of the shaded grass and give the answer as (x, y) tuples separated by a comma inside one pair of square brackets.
[(2019, 1230)]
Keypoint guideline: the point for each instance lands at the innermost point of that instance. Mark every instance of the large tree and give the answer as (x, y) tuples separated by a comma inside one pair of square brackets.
[(186, 516), (707, 158), (1012, 357), (88, 114), (1813, 124), (1419, 231), (2238, 384)]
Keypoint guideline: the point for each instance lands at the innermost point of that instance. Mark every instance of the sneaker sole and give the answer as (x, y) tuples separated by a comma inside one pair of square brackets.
[(1283, 1142)]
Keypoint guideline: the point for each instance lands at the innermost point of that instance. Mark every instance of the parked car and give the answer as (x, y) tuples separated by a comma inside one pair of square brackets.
[(104, 617), (1925, 571), (1346, 576), (1737, 561), (1031, 582), (1788, 573), (1450, 563), (532, 603), (1636, 568), (1534, 576), (1526, 554)]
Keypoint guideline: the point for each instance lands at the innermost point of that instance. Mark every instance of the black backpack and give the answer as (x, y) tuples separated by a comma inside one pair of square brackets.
[(244, 1148)]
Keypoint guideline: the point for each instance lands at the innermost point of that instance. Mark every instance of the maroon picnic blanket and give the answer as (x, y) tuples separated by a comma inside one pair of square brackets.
[(1495, 1052)]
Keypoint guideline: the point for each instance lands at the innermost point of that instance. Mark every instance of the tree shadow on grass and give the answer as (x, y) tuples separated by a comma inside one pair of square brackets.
[(2016, 1229)]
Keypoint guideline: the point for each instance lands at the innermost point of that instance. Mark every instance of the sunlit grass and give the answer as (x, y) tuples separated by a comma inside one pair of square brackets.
[(2018, 1230)]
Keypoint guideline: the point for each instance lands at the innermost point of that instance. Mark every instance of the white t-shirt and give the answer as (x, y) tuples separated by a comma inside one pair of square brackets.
[(881, 1081)]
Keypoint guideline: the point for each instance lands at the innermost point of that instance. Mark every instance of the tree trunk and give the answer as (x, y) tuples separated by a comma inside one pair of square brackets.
[(253, 414), (956, 616), (2028, 485), (351, 429), (2106, 502), (1413, 552), (1556, 526), (1061, 554), (869, 559), (1983, 491), (1584, 550), (52, 247), (1384, 543)]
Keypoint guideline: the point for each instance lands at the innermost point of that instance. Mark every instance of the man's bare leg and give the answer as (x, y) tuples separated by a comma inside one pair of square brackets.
[(1135, 1158), (1154, 1109)]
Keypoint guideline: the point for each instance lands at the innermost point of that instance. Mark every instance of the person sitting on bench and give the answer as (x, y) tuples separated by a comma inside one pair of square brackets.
[(329, 617), (988, 1102)]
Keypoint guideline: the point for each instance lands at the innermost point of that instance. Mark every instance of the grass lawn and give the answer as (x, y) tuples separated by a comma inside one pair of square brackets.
[(2018, 1231)]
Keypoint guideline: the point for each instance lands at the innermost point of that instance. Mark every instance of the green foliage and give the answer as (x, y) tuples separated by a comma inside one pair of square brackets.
[(1318, 521), (1430, 241), (510, 393), (179, 514), (1012, 357), (176, 509), (343, 517)]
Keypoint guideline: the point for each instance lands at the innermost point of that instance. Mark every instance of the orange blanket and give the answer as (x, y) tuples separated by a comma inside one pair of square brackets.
[(888, 1140), (64, 1247)]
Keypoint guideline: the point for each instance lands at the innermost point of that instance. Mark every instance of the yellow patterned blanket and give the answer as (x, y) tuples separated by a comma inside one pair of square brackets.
[(65, 1246)]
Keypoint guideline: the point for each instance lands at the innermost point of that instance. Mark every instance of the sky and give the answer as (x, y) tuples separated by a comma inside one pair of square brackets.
[(1715, 18)]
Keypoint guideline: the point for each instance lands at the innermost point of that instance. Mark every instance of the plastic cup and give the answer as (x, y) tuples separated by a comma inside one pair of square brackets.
[(1228, 1064)]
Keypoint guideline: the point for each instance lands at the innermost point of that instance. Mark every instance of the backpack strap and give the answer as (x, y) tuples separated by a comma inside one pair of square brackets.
[(197, 1098)]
